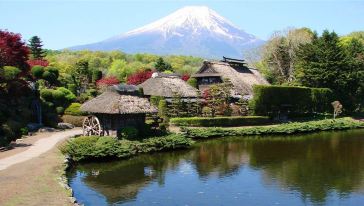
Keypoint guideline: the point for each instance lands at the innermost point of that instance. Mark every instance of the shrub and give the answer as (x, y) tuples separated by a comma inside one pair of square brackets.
[(77, 121), (37, 71), (220, 121), (59, 110), (321, 98), (95, 147), (10, 72), (49, 76), (69, 96), (206, 111), (270, 99), (46, 94), (155, 100), (24, 131), (192, 81), (289, 128), (129, 133), (58, 96), (50, 119), (74, 109)]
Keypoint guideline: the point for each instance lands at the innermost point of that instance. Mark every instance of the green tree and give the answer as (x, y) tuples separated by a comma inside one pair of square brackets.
[(162, 66), (35, 46), (326, 63)]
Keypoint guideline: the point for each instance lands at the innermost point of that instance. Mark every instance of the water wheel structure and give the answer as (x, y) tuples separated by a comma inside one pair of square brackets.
[(118, 107)]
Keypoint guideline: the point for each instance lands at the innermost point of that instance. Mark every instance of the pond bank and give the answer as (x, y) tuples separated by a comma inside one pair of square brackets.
[(96, 148), (36, 181)]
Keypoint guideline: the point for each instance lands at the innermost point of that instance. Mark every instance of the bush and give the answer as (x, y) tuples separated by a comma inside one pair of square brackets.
[(46, 94), (95, 147), (74, 109), (289, 128), (156, 99), (59, 110), (58, 96), (269, 100), (220, 121), (321, 99), (49, 76), (50, 119), (77, 121), (37, 71), (69, 96), (9, 72), (129, 133), (192, 81)]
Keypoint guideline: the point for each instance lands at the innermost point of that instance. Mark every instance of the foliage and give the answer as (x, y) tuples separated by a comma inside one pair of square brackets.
[(95, 147), (289, 128), (129, 133), (35, 46), (107, 81), (37, 71), (13, 51), (162, 66), (77, 121), (270, 100), (217, 98), (185, 77), (139, 77), (321, 98), (279, 54), (74, 109), (192, 82), (9, 73), (220, 121), (38, 62), (325, 62)]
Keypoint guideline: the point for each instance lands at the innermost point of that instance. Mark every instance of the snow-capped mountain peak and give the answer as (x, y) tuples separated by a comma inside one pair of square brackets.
[(191, 30), (189, 17)]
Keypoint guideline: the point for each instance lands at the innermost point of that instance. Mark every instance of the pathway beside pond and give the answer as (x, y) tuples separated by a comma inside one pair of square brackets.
[(29, 174)]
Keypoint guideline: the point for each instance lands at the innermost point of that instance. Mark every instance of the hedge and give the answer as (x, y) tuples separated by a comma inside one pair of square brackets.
[(269, 99), (220, 121), (74, 109), (289, 128), (95, 147)]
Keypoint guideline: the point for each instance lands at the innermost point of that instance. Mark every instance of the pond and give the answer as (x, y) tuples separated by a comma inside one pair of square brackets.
[(324, 168)]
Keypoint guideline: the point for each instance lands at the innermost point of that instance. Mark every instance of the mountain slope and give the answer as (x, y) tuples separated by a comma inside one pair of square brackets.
[(193, 30)]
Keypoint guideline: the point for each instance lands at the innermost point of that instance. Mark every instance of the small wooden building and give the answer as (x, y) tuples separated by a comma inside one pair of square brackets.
[(242, 77), (118, 107)]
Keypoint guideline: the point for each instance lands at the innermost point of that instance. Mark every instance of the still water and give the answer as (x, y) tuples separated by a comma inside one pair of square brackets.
[(325, 168)]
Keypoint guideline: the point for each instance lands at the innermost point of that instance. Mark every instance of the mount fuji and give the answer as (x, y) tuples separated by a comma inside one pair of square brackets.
[(192, 30)]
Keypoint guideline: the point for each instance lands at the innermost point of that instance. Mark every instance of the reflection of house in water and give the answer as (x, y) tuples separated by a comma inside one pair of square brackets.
[(242, 77)]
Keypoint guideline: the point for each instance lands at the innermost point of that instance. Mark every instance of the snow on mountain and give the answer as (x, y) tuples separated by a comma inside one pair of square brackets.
[(192, 30)]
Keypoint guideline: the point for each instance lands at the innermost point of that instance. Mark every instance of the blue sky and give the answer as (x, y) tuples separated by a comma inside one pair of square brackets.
[(61, 24)]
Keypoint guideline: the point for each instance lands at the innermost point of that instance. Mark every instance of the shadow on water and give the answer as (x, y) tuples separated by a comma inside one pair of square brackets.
[(318, 169)]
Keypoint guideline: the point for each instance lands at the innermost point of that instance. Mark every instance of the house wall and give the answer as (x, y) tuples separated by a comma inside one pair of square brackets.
[(113, 123)]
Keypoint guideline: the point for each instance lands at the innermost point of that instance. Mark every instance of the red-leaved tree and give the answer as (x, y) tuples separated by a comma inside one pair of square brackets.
[(185, 77), (38, 62), (13, 51), (139, 77), (107, 81)]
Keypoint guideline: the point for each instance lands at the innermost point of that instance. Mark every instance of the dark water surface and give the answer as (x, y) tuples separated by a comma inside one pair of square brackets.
[(316, 169)]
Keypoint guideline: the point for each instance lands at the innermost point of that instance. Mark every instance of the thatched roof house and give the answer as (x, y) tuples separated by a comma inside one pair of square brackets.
[(167, 86), (118, 107), (119, 99), (242, 77)]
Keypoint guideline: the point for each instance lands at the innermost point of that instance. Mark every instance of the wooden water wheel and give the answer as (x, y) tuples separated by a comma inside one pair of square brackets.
[(91, 126)]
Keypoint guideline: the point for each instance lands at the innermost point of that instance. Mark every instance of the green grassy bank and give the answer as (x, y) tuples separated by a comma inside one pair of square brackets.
[(96, 148), (288, 128)]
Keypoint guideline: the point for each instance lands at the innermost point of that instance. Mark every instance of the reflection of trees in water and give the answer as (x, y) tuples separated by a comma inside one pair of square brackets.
[(219, 157), (121, 181), (313, 166)]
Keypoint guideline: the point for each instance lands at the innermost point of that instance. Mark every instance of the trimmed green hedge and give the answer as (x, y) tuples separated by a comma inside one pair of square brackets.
[(270, 99), (74, 109), (95, 147), (289, 128), (220, 121)]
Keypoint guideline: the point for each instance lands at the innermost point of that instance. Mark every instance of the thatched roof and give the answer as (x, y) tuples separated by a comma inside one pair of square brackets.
[(243, 78), (167, 87), (122, 99)]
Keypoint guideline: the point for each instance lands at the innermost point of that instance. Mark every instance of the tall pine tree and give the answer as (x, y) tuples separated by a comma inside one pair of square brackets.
[(36, 50)]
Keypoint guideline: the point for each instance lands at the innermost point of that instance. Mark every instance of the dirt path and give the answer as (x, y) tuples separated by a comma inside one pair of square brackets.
[(39, 147), (33, 176)]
